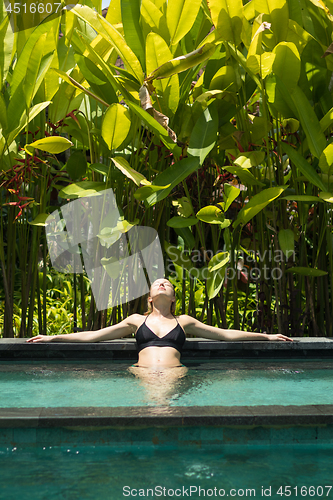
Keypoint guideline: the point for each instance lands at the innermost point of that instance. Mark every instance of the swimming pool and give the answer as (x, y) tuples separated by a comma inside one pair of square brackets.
[(114, 473), (114, 384), (81, 430)]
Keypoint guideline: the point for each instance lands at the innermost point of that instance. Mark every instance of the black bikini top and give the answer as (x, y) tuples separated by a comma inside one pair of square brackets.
[(145, 337)]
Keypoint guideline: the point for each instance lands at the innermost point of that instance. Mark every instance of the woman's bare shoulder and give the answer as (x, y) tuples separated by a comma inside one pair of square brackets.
[(186, 320), (136, 319)]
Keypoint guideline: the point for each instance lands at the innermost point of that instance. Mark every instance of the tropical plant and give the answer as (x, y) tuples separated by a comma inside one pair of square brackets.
[(212, 123)]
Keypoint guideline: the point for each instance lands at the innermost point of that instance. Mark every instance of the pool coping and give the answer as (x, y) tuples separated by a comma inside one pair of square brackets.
[(194, 348), (166, 416)]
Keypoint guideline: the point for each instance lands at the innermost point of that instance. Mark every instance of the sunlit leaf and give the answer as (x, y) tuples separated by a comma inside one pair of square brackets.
[(54, 144), (116, 125)]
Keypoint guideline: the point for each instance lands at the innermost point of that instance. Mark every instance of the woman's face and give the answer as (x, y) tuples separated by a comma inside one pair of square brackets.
[(162, 286)]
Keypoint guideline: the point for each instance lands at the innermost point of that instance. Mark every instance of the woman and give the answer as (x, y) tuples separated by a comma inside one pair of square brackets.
[(160, 336)]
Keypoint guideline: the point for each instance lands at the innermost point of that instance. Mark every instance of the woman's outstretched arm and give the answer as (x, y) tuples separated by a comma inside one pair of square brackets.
[(122, 329), (195, 327)]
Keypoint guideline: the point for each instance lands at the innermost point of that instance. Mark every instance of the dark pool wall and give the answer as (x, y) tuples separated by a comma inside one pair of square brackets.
[(125, 349)]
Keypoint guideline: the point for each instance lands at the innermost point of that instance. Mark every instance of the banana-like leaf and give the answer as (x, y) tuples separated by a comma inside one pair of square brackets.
[(127, 170), (173, 176), (3, 113), (81, 189), (40, 220), (98, 81), (144, 192), (326, 160), (182, 221), (130, 13), (287, 64), (182, 63), (213, 215), (78, 85), (246, 177), (309, 121), (286, 239), (153, 125), (328, 197), (153, 20), (306, 198), (180, 16), (96, 58), (214, 282), (116, 125), (257, 203), (54, 144), (306, 271), (76, 165), (227, 17), (303, 166), (231, 193), (204, 134), (278, 13), (6, 48), (218, 260), (23, 120), (98, 23), (158, 53)]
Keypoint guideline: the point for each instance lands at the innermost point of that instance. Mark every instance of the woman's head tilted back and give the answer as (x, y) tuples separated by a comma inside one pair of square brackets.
[(161, 282)]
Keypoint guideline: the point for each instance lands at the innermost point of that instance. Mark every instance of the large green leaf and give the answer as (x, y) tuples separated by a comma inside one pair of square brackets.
[(127, 170), (21, 123), (306, 115), (182, 221), (153, 125), (211, 214), (54, 144), (153, 20), (257, 203), (278, 13), (116, 125), (97, 79), (158, 53), (146, 191), (246, 177), (310, 123), (286, 241), (173, 175), (182, 63), (287, 64), (130, 13), (326, 160), (98, 23), (307, 271), (180, 16), (303, 166), (76, 165), (204, 134), (81, 189), (227, 17), (6, 47)]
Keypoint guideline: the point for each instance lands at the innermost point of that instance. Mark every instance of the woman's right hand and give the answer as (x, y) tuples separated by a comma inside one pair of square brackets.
[(41, 338)]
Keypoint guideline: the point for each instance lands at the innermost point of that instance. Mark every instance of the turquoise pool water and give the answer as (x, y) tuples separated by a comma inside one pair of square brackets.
[(221, 383), (105, 473)]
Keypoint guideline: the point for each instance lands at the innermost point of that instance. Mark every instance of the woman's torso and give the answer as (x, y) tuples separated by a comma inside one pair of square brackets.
[(159, 341)]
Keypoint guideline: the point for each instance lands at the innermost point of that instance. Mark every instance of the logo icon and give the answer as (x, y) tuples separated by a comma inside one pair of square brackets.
[(121, 259)]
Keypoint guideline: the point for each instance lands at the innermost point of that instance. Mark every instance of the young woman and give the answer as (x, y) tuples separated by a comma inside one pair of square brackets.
[(160, 335)]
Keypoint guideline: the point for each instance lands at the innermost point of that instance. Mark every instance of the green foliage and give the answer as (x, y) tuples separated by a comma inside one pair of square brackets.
[(211, 121)]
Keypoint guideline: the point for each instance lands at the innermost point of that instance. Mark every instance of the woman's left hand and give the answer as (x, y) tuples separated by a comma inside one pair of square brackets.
[(278, 336)]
